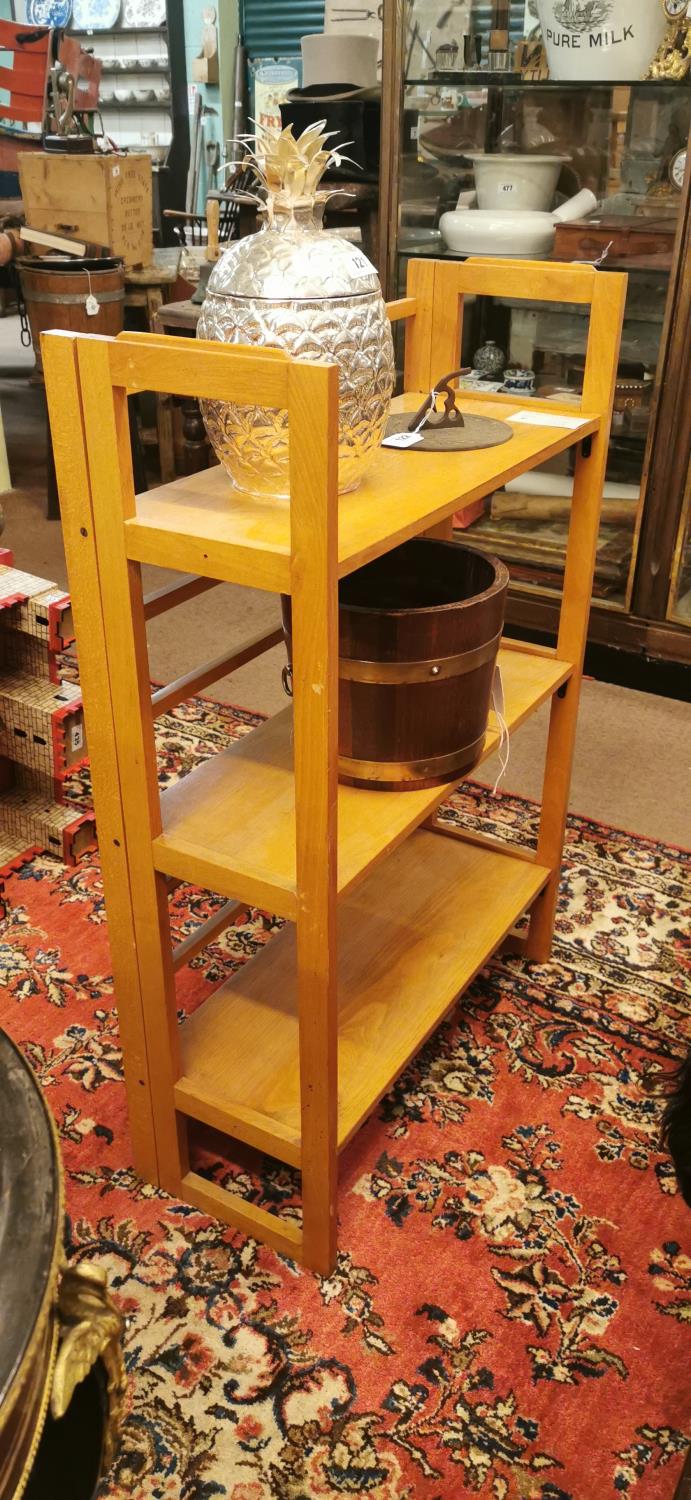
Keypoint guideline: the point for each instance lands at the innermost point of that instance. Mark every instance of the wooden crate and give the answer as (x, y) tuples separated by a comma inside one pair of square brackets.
[(103, 199)]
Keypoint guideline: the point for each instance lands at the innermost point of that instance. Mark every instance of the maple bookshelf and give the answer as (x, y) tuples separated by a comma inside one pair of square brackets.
[(390, 913)]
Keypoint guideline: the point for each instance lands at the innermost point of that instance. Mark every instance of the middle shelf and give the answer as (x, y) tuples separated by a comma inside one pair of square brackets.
[(208, 840)]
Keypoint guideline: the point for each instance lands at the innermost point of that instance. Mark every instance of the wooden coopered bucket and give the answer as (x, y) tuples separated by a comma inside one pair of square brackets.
[(55, 293), (419, 632)]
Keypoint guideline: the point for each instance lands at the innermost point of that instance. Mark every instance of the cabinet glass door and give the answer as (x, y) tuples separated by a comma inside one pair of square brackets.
[(626, 144)]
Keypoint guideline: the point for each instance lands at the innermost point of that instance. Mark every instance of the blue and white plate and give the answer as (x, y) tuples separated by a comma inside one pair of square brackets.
[(48, 12), (95, 15), (137, 13)]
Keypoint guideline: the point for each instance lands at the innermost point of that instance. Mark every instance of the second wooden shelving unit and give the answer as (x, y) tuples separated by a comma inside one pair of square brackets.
[(387, 920)]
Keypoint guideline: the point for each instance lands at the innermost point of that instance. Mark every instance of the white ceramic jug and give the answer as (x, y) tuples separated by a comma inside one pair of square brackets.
[(603, 39)]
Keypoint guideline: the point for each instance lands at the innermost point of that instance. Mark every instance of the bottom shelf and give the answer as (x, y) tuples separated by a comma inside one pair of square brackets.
[(411, 937)]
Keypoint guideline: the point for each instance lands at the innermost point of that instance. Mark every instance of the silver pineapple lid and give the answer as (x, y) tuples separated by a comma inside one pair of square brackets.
[(293, 262)]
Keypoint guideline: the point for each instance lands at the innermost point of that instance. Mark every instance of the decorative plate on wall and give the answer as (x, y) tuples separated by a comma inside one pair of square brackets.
[(95, 15), (144, 13), (48, 12)]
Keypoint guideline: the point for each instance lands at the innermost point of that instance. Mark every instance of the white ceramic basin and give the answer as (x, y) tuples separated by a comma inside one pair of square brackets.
[(527, 236), (509, 181)]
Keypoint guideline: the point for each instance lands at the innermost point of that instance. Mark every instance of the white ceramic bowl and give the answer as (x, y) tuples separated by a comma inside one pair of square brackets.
[(601, 39), (527, 236), (479, 231), (412, 239), (505, 181)]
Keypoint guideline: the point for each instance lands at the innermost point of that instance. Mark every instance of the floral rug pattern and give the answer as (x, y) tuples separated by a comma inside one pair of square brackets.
[(509, 1313)]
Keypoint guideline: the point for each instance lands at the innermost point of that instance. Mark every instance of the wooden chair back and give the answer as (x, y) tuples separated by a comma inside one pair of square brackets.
[(223, 221), (27, 79)]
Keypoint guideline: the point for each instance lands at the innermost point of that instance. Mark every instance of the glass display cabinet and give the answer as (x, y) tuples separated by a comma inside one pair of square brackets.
[(454, 141)]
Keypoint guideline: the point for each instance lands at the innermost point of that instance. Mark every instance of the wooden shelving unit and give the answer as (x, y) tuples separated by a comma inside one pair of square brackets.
[(388, 917)]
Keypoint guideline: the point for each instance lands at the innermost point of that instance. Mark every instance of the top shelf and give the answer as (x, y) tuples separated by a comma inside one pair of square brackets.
[(202, 524), (481, 80)]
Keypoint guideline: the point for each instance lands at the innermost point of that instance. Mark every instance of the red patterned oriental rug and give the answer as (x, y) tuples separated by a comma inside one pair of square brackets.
[(507, 1317)]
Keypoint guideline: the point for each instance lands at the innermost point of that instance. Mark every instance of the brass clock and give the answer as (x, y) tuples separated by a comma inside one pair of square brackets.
[(673, 9)]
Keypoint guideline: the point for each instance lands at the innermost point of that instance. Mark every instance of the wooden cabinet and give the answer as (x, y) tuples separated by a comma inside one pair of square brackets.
[(625, 142)]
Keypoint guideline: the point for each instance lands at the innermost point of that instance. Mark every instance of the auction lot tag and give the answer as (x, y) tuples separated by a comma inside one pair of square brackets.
[(402, 439)]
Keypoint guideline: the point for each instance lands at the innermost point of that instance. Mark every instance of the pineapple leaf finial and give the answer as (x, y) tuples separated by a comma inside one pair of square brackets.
[(291, 169)]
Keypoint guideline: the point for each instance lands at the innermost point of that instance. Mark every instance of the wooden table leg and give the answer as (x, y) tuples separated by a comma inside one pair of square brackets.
[(154, 303)]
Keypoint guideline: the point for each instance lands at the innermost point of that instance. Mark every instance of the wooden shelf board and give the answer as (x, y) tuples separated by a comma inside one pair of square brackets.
[(230, 824), (202, 524), (411, 938)]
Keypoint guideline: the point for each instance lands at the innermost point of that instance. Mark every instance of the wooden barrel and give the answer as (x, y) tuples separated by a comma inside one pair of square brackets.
[(55, 290), (419, 632)]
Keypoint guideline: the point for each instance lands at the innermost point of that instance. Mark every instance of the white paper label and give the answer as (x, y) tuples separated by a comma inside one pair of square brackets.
[(92, 305), (544, 419), (77, 736), (498, 692), (116, 171), (402, 439)]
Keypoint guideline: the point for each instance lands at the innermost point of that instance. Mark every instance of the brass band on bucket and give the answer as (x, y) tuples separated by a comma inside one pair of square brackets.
[(73, 299), (353, 669), (412, 770)]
